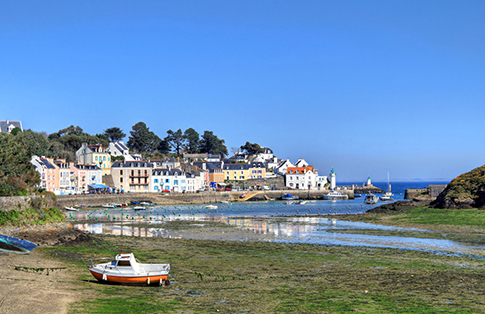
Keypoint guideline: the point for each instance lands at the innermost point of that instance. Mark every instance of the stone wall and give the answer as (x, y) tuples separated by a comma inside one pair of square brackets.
[(20, 203), (183, 198)]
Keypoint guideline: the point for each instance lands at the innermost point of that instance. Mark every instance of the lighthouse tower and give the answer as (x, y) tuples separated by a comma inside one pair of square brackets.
[(333, 181), (368, 183)]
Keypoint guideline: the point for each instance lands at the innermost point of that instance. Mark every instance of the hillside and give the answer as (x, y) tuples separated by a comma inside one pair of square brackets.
[(465, 191)]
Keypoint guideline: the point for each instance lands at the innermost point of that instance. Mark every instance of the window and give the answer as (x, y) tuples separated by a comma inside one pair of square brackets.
[(124, 263), (175, 182), (156, 188), (121, 179), (104, 157), (167, 180), (132, 188), (155, 181), (121, 172), (182, 181), (96, 158)]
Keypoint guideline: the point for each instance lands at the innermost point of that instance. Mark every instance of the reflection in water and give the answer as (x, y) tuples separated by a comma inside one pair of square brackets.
[(268, 219)]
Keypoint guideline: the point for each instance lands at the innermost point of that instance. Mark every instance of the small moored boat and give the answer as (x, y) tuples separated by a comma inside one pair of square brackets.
[(139, 208), (126, 269), (211, 206), (73, 209), (371, 199), (108, 206), (289, 197), (15, 245), (334, 195)]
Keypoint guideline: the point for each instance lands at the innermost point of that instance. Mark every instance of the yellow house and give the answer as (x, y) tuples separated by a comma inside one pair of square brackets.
[(236, 171), (96, 154)]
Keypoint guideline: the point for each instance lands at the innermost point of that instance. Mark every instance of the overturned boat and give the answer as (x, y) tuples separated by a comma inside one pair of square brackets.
[(14, 245), (126, 269)]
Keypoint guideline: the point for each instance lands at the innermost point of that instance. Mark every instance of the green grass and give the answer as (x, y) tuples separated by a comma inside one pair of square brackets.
[(454, 217), (31, 216), (280, 278)]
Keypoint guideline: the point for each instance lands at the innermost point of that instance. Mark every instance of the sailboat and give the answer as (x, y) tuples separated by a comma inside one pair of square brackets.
[(387, 197)]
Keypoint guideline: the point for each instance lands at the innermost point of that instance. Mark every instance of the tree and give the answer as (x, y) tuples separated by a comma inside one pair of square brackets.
[(36, 142), (191, 141), (175, 140), (252, 149), (16, 171), (142, 140), (211, 144), (114, 134)]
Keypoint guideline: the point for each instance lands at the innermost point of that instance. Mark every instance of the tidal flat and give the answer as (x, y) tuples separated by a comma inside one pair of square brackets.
[(266, 277)]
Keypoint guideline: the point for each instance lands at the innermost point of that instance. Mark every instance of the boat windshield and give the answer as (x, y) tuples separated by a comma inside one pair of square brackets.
[(124, 263)]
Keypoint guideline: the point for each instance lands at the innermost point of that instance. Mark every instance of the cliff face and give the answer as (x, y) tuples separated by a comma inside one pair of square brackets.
[(465, 191)]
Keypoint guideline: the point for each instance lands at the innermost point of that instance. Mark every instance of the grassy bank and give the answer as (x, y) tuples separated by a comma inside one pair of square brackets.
[(262, 277)]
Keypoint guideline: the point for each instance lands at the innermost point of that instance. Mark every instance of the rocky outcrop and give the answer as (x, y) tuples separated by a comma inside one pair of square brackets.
[(465, 191)]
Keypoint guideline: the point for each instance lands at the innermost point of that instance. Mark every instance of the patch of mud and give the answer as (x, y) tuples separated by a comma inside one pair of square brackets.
[(48, 235)]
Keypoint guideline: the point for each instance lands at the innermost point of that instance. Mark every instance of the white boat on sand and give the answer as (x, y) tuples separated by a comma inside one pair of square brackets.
[(126, 269), (72, 209), (211, 206)]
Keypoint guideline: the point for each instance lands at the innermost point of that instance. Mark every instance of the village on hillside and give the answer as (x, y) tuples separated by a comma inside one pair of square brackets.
[(114, 169)]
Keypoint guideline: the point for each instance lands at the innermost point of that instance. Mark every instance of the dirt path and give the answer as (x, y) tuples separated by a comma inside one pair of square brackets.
[(32, 283)]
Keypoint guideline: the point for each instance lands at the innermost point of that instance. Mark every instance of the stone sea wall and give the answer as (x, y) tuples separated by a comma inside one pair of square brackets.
[(22, 202), (17, 202)]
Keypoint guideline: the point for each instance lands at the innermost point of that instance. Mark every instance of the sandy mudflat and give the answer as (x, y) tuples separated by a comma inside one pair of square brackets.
[(31, 283)]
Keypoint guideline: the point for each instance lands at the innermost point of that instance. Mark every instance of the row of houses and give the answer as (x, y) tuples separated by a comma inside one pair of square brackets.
[(195, 171)]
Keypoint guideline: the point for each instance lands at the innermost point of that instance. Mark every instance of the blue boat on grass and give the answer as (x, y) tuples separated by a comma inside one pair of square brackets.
[(14, 245)]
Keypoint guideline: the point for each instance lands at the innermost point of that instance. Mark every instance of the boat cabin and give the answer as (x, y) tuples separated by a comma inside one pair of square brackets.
[(126, 260)]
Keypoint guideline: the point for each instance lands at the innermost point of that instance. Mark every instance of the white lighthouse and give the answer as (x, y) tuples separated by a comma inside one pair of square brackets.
[(333, 180)]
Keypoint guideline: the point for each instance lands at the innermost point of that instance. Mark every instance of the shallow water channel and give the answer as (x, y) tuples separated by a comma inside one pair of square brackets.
[(272, 221)]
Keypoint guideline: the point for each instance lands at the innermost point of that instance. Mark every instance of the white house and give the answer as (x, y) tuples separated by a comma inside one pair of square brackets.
[(174, 180), (282, 167), (304, 178), (118, 149), (7, 126)]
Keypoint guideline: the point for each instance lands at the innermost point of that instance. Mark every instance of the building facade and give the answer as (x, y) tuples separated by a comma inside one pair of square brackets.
[(132, 176)]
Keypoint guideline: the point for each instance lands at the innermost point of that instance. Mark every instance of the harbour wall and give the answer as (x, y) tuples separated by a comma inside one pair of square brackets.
[(187, 198), (431, 191), (22, 202), (19, 203)]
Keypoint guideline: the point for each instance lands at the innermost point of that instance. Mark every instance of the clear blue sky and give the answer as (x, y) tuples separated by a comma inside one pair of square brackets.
[(366, 87)]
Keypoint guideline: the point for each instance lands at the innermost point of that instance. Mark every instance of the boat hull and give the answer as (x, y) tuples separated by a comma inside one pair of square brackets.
[(14, 245), (141, 279)]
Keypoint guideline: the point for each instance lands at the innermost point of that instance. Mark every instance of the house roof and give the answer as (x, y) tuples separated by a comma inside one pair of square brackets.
[(87, 167), (4, 125), (132, 164), (299, 169), (236, 166), (47, 164)]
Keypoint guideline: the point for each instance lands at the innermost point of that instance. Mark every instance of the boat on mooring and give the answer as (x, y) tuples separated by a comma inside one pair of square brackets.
[(10, 244), (289, 197), (387, 197), (371, 199), (211, 206), (72, 209), (335, 196), (126, 269)]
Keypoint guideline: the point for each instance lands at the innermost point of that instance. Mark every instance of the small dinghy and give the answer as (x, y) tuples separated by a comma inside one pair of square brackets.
[(126, 269), (14, 245), (108, 206), (73, 209), (139, 208), (211, 206)]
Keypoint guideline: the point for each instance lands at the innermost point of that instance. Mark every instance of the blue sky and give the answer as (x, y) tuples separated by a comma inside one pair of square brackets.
[(365, 87)]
